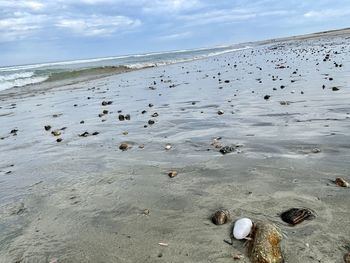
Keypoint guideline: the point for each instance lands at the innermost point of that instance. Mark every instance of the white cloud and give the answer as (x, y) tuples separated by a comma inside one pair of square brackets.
[(327, 13), (31, 5), (168, 6), (98, 26), (20, 26), (217, 16), (175, 36)]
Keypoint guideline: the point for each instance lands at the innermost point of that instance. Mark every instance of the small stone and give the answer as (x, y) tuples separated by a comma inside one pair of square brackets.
[(341, 182), (82, 122), (105, 112), (121, 117), (105, 103), (266, 97), (95, 133), (172, 174), (335, 88), (284, 103), (347, 258), (315, 150), (56, 133), (124, 146), (154, 115), (125, 133), (237, 257), (84, 134), (146, 212), (127, 117), (168, 147), (227, 149), (151, 122), (220, 112), (59, 140), (150, 105), (47, 127), (14, 131)]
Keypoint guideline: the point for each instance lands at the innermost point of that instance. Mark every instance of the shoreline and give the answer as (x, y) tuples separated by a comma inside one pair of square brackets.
[(84, 200)]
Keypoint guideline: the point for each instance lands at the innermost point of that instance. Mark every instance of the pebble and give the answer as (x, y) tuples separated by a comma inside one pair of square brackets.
[(220, 112), (47, 127), (124, 146), (228, 149), (172, 174), (56, 133), (105, 103), (168, 147), (341, 182), (151, 122)]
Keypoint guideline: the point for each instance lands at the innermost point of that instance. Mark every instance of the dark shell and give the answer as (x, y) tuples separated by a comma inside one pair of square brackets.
[(341, 182), (227, 149), (347, 258), (220, 217), (295, 216), (124, 146)]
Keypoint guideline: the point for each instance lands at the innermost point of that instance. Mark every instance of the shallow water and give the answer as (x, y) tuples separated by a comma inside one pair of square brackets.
[(82, 200)]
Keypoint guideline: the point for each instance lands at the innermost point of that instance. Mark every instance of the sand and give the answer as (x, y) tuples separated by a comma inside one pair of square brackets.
[(83, 199)]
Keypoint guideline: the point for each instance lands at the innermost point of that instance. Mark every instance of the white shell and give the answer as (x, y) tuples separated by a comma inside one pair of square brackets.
[(168, 147), (242, 228)]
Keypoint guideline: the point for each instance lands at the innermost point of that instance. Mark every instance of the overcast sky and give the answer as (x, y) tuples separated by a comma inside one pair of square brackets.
[(52, 30)]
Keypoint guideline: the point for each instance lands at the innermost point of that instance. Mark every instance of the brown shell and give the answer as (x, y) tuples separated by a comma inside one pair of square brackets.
[(172, 174), (295, 216), (220, 217), (347, 258), (264, 246), (341, 182)]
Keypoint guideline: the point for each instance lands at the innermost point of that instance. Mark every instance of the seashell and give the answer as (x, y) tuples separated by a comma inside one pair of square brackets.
[(341, 182), (242, 228), (56, 133), (264, 246), (168, 147), (220, 217), (172, 174), (124, 146), (347, 258), (315, 150), (227, 149), (295, 216)]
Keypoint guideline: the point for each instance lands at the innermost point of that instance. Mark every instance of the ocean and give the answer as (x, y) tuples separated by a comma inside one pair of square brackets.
[(23, 75)]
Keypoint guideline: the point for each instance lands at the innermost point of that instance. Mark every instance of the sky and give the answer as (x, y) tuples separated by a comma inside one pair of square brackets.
[(37, 31)]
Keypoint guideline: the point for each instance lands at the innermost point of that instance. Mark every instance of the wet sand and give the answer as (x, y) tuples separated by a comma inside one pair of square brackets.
[(84, 200)]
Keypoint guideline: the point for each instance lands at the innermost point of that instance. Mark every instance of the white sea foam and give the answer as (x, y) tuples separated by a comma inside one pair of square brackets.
[(18, 76), (20, 82)]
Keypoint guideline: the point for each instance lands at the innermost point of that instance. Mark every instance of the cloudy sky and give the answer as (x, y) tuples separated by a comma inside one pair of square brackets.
[(52, 30)]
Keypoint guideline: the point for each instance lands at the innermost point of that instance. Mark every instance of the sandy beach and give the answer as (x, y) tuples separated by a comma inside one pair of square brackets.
[(284, 106)]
